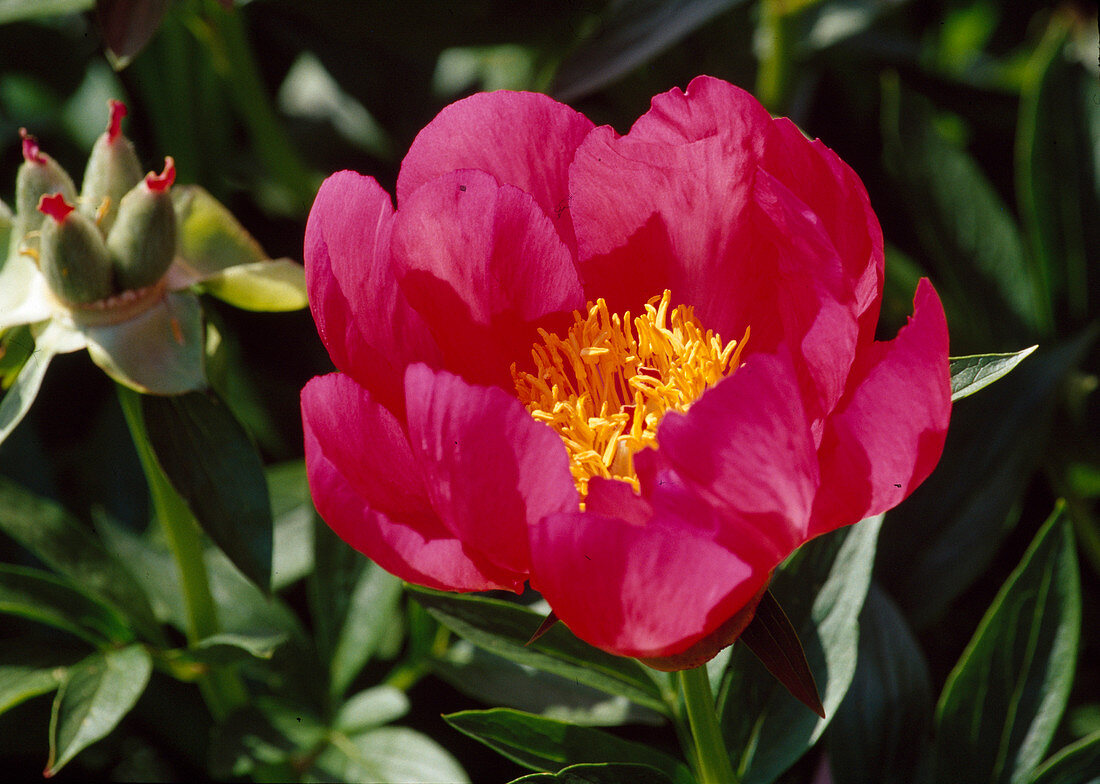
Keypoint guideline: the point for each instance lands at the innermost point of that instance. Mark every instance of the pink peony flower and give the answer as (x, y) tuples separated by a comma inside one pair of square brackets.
[(636, 371)]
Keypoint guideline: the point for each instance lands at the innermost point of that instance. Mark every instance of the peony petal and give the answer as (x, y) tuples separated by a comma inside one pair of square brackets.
[(745, 445), (490, 469), (523, 139), (888, 433), (829, 188), (484, 267), (646, 591), (665, 206), (364, 321), (369, 488), (804, 294)]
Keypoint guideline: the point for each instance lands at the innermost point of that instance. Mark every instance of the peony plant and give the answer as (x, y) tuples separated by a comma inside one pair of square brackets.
[(634, 372)]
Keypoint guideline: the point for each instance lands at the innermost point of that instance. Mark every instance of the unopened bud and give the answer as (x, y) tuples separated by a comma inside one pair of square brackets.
[(113, 170), (72, 254), (143, 239), (38, 176)]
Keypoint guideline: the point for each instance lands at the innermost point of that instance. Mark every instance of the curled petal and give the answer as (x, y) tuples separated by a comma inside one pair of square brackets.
[(888, 433), (490, 470), (484, 268), (649, 590), (523, 139), (369, 488)]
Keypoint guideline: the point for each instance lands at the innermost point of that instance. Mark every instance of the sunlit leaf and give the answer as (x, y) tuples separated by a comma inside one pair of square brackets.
[(505, 628), (276, 285), (18, 10), (371, 708), (1076, 763), (605, 773), (389, 755), (28, 669), (371, 609), (969, 374), (92, 700), (1003, 701), (547, 745)]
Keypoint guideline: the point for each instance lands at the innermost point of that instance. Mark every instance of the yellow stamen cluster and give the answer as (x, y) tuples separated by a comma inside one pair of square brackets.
[(606, 383)]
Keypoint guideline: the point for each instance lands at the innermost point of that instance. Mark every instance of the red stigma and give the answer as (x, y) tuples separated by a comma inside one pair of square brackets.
[(162, 182), (114, 125), (55, 206), (31, 151)]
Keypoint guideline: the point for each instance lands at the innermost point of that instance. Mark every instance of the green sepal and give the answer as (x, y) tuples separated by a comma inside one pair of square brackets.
[(75, 260), (143, 239), (34, 180), (113, 170), (210, 238)]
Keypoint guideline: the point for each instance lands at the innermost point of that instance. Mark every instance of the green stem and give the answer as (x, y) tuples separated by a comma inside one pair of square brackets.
[(222, 689), (773, 78), (711, 758)]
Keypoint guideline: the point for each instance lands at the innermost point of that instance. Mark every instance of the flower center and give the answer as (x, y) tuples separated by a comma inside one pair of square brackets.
[(606, 383)]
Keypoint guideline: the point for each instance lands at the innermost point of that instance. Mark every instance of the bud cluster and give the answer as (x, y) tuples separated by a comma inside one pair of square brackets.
[(119, 235)]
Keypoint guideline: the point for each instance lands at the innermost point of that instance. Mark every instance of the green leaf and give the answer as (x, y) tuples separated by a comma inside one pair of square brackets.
[(969, 374), (265, 740), (371, 708), (277, 285), (494, 680), (1078, 763), (504, 628), (389, 755), (211, 239), (292, 555), (822, 589), (261, 645), (210, 461), (548, 745), (948, 532), (18, 10), (40, 596), (1003, 701), (371, 610), (92, 700), (19, 398), (68, 547), (28, 669), (1056, 171), (606, 773), (775, 643), (963, 226), (633, 32), (336, 572), (879, 733)]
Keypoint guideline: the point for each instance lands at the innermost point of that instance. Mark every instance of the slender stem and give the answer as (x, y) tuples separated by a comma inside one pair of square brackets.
[(222, 689), (773, 78), (711, 757)]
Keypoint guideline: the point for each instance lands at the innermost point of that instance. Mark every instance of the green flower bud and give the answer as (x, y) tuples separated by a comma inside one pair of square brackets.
[(143, 240), (38, 176), (72, 254), (113, 170)]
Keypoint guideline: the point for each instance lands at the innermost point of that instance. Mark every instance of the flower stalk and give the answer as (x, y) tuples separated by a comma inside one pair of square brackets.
[(221, 688), (711, 759)]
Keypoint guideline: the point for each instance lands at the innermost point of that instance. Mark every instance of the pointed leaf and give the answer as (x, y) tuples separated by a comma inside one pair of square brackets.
[(94, 697), (261, 645), (880, 732), (496, 681), (504, 628), (605, 773), (18, 399), (969, 374), (1078, 762), (547, 745), (277, 285), (39, 596), (775, 643), (28, 669), (18, 10), (371, 610), (68, 547), (210, 238), (1003, 701), (371, 708), (389, 755), (211, 462), (822, 589)]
